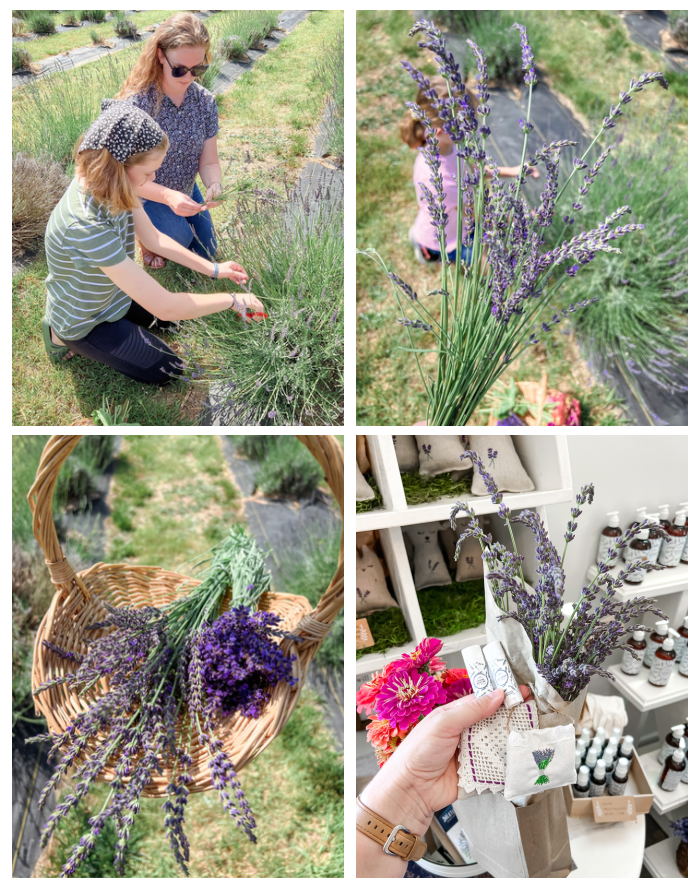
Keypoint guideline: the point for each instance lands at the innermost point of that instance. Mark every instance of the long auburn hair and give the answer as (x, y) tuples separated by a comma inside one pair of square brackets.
[(106, 178), (412, 131), (181, 30)]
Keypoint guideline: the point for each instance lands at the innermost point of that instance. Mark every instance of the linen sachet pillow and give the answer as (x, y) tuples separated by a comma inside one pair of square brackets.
[(469, 564), (440, 453), (506, 468), (363, 491), (429, 567), (370, 584), (406, 452)]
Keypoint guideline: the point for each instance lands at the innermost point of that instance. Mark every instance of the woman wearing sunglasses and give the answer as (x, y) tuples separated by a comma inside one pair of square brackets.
[(163, 85)]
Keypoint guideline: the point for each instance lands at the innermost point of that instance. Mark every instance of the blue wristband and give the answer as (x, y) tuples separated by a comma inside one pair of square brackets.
[(216, 271)]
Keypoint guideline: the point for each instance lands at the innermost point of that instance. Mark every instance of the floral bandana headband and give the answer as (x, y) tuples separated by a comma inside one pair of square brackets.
[(123, 130)]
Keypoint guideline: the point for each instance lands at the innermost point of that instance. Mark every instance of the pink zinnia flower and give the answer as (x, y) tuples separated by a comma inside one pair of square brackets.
[(367, 693), (424, 654), (382, 735), (458, 688), (408, 695)]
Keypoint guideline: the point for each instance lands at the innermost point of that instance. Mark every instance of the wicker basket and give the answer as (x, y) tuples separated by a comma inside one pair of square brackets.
[(78, 603)]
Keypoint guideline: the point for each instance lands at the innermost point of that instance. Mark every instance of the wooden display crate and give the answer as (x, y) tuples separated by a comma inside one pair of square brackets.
[(643, 799)]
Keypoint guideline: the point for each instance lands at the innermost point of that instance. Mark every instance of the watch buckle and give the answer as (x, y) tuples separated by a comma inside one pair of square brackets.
[(392, 837)]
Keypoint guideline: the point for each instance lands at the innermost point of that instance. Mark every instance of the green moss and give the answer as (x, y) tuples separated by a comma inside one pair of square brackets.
[(419, 489), (388, 629), (362, 507), (452, 608)]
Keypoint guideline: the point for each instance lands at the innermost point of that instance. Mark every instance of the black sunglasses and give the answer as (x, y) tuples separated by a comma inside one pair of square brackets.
[(181, 70)]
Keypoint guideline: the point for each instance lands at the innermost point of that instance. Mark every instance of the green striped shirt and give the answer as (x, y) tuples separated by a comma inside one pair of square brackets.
[(82, 236)]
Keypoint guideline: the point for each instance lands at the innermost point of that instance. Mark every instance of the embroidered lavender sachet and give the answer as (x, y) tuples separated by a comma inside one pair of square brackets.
[(482, 755), (537, 760)]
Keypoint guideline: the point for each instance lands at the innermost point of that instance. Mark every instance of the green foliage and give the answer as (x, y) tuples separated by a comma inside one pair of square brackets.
[(70, 18), (235, 31), (100, 860), (50, 114), (232, 47), (94, 15), (449, 609), (639, 323), (388, 629), (678, 83), (37, 186), (678, 23), (495, 35), (19, 29), (40, 22), (112, 415), (21, 59), (286, 369), (419, 489), (329, 72), (288, 469), (124, 27), (95, 37), (252, 446)]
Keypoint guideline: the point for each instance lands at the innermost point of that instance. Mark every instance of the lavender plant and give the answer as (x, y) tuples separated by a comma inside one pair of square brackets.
[(173, 674), (567, 657), (494, 308)]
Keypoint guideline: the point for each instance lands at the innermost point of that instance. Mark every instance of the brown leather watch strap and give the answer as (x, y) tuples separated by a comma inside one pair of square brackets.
[(403, 844)]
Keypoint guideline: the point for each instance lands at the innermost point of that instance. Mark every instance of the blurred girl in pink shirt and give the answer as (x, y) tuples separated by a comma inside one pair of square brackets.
[(422, 234)]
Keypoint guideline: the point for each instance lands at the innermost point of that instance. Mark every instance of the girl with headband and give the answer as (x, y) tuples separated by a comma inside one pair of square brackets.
[(100, 303), (162, 84)]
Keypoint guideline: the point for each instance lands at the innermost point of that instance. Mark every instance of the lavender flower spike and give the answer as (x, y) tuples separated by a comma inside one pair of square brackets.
[(528, 57)]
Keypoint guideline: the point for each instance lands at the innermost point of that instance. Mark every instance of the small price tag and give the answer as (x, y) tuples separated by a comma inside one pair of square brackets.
[(614, 809), (363, 636)]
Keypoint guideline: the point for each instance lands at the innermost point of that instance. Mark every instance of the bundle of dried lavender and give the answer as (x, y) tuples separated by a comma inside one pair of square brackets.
[(162, 664), (566, 657)]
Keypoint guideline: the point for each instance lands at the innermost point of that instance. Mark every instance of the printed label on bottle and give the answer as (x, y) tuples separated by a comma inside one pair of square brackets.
[(660, 671), (665, 750), (655, 549), (597, 790), (684, 556), (671, 551), (671, 780), (632, 558), (683, 667), (630, 665), (684, 775), (616, 788), (580, 793), (605, 543), (650, 653)]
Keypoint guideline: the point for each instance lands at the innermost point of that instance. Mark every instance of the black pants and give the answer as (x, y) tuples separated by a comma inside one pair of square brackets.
[(127, 347)]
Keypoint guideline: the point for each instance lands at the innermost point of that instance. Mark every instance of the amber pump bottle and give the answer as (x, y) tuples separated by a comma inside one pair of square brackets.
[(672, 547), (656, 638), (655, 537), (641, 514), (630, 665), (662, 666), (608, 537), (663, 516), (684, 556), (673, 770), (618, 780), (638, 550)]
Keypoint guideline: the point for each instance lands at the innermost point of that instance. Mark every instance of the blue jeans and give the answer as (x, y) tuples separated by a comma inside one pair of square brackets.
[(434, 255), (195, 233)]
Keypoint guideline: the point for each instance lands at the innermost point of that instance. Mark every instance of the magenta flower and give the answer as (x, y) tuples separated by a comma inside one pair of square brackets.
[(407, 696), (458, 688), (424, 654)]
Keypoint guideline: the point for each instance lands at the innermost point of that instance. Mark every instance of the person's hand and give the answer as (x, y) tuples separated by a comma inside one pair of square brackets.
[(213, 192), (246, 304), (421, 775), (233, 271), (182, 205), (535, 174)]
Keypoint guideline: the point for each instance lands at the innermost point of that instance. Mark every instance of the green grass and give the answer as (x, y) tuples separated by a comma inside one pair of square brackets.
[(329, 71), (295, 790), (369, 504), (249, 27), (388, 628), (288, 469), (171, 500)]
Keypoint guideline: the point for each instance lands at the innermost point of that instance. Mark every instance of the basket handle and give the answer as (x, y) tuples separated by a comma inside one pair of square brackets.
[(40, 497), (328, 452)]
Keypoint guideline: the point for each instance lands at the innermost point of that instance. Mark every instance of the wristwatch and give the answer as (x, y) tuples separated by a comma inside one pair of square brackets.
[(397, 840)]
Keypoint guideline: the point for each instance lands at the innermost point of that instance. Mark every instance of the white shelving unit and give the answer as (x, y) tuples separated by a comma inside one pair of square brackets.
[(660, 859), (664, 801), (645, 696), (655, 584), (546, 460)]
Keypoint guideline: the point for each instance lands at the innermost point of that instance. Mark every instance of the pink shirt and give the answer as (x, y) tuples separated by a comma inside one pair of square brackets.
[(423, 230)]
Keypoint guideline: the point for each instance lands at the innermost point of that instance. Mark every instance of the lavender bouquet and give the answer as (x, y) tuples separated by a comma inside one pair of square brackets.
[(173, 674), (566, 654), (492, 309)]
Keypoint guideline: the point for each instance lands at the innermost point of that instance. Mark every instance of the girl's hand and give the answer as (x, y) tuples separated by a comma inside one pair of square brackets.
[(421, 775), (212, 193), (182, 205), (246, 304), (535, 174), (233, 271)]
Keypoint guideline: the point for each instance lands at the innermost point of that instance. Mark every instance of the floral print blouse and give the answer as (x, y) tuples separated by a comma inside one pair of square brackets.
[(188, 127)]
